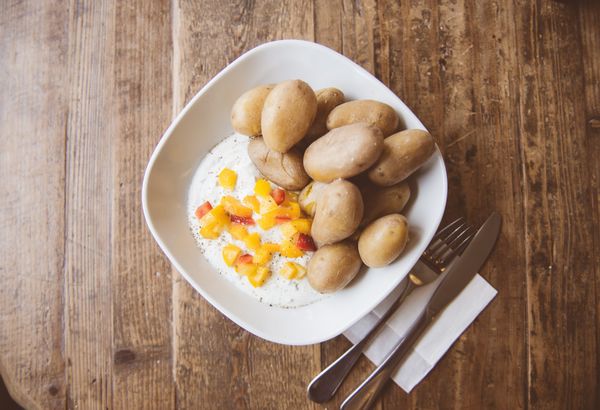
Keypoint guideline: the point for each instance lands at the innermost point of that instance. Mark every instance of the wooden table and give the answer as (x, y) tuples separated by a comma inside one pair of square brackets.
[(93, 315)]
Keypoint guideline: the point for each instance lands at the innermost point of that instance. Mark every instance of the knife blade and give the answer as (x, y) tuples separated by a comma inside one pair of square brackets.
[(465, 268), (457, 278)]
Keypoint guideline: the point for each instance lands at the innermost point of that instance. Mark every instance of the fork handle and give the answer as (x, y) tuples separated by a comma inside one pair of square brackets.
[(323, 386), (366, 394)]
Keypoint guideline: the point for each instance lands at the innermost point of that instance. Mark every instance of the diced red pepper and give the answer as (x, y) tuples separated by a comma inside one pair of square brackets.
[(278, 195), (203, 209), (245, 258), (282, 219), (242, 220), (306, 243)]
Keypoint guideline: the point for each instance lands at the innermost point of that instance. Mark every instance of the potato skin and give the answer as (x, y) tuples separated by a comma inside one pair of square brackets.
[(372, 112), (403, 153), (343, 152), (285, 170), (381, 201), (383, 240), (247, 110), (287, 114), (332, 267), (339, 212), (327, 100), (309, 196)]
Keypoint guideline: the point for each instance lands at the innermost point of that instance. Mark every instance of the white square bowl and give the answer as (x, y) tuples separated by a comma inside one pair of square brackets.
[(205, 121)]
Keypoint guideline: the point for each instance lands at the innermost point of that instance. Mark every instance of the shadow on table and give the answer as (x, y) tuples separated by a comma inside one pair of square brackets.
[(6, 402)]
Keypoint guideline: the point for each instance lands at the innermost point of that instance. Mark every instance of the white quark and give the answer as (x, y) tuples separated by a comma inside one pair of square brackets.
[(232, 153)]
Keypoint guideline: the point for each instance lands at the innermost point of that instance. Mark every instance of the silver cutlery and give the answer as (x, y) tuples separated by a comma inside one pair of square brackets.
[(443, 248), (456, 279)]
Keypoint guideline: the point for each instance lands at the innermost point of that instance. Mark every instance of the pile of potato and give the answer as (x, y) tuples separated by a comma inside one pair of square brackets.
[(350, 164)]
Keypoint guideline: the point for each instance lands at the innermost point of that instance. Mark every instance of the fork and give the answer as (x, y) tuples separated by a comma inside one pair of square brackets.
[(446, 245)]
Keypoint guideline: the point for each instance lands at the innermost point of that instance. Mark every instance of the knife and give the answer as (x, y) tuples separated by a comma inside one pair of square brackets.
[(458, 277)]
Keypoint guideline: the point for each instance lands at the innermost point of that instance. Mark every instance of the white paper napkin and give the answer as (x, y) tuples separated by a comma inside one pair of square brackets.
[(453, 321)]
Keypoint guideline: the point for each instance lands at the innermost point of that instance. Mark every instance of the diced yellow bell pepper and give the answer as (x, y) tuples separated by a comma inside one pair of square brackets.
[(272, 247), (302, 225), (259, 277), (291, 197), (292, 270), (262, 187), (266, 222), (288, 230), (252, 202), (300, 271), (289, 250), (209, 232), (252, 241), (214, 222), (288, 271), (266, 204), (291, 210), (237, 231), (235, 207), (246, 269), (227, 178), (230, 253), (265, 253)]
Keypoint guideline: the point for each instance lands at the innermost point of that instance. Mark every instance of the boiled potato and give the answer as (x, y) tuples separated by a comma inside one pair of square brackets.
[(309, 196), (403, 153), (381, 201), (372, 112), (327, 100), (285, 170), (343, 152), (383, 240), (332, 267), (339, 212), (287, 114), (247, 110)]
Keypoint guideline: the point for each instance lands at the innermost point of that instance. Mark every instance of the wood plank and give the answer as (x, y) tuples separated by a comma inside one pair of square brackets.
[(216, 361), (33, 108), (141, 276), (91, 131), (474, 66), (558, 202), (589, 15)]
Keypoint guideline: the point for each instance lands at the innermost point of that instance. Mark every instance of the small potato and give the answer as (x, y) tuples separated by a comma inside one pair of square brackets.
[(288, 113), (327, 100), (384, 201), (309, 196), (383, 240), (247, 110), (332, 267), (403, 153), (343, 152), (372, 112), (339, 212), (285, 170)]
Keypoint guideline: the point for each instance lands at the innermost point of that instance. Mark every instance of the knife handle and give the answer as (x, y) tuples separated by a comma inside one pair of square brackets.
[(366, 394)]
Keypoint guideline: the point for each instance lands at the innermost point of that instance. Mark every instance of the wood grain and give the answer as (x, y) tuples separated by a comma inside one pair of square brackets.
[(33, 108), (91, 130), (92, 315), (141, 276)]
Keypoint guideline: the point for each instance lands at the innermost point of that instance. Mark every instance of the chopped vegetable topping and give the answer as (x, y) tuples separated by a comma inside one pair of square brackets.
[(278, 195), (305, 243), (203, 209), (242, 220), (227, 179), (230, 254)]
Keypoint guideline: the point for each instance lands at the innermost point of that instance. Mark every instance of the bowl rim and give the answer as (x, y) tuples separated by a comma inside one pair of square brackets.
[(324, 336)]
